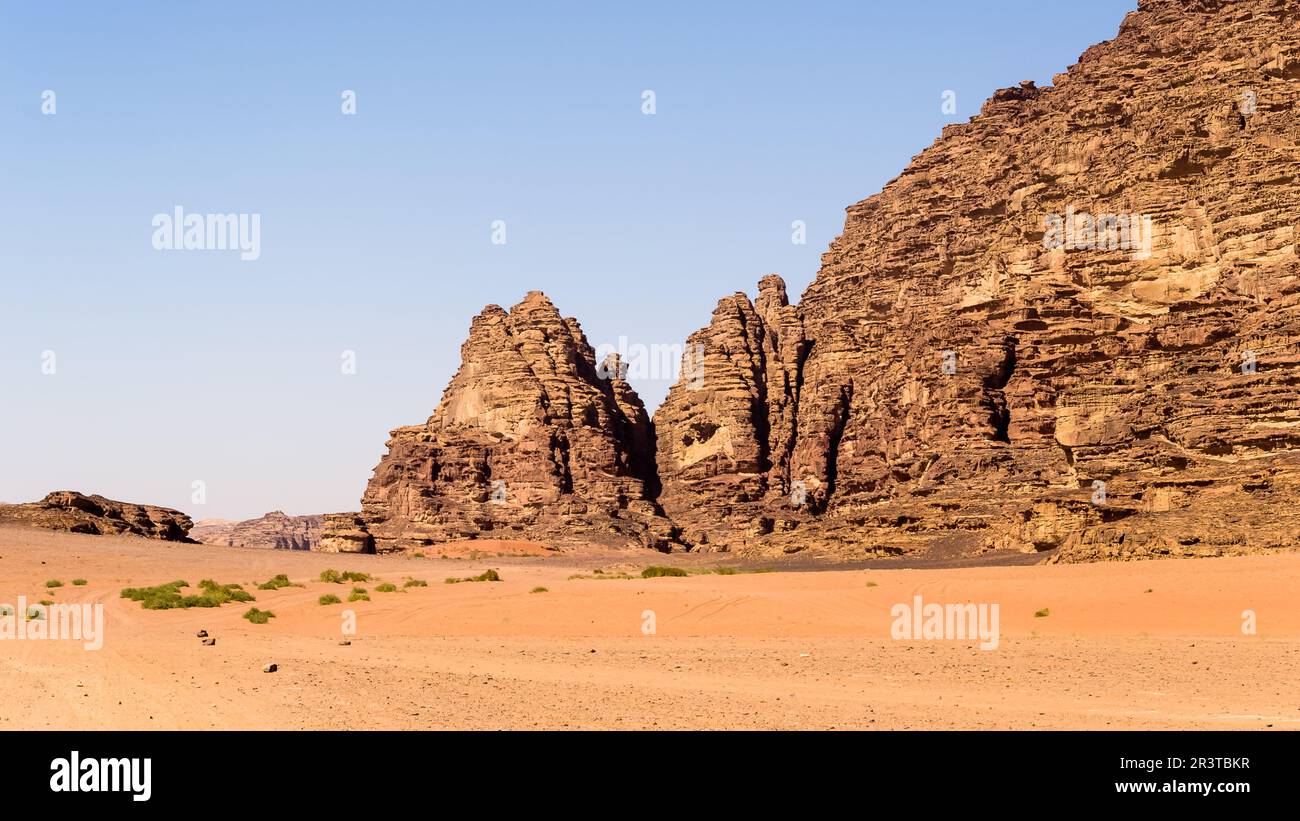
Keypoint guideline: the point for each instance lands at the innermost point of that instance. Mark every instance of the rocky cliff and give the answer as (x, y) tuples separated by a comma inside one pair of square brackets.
[(533, 439), (78, 513), (1071, 323), (274, 531)]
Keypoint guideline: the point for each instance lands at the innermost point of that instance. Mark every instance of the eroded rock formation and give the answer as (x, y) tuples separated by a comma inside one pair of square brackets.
[(530, 441), (78, 513), (1071, 323)]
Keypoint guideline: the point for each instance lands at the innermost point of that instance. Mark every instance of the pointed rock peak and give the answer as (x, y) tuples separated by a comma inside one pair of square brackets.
[(491, 312), (612, 367), (536, 300), (771, 289)]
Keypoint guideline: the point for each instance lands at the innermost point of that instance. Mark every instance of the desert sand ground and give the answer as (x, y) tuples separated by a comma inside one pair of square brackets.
[(1136, 645)]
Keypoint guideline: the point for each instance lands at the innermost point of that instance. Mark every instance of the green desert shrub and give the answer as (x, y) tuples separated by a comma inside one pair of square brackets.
[(168, 596), (53, 583), (485, 576), (352, 576), (415, 583), (1042, 614), (330, 598), (331, 575), (275, 583), (259, 616), (539, 590), (386, 587), (359, 594), (655, 571), (79, 582)]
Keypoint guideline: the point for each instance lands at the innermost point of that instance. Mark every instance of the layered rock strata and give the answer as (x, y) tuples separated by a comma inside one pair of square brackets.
[(1071, 323)]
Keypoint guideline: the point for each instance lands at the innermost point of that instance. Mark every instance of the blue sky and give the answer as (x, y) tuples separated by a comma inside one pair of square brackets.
[(177, 366)]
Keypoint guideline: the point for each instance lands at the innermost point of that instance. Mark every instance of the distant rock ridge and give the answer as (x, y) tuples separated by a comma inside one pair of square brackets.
[(274, 531), (77, 512), (1070, 327)]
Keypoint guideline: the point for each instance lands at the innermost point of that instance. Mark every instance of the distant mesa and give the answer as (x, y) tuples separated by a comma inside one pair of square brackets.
[(274, 531), (75, 512)]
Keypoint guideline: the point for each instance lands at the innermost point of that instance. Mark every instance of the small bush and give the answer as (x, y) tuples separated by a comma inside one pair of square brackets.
[(168, 596), (359, 594), (53, 583), (275, 583), (259, 616), (415, 583), (725, 571), (351, 576), (79, 582), (386, 587), (1042, 614), (655, 571), (332, 576), (485, 576), (35, 614), (539, 590), (872, 584), (329, 598), (45, 602)]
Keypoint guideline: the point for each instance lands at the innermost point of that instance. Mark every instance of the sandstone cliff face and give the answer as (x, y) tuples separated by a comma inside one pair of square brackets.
[(274, 531), (531, 441), (78, 513), (958, 380)]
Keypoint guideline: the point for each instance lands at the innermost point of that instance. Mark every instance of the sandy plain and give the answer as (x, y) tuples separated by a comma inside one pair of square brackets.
[(1127, 645)]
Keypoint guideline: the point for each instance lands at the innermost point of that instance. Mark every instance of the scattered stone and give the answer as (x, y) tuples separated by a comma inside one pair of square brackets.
[(209, 642), (203, 634), (270, 668)]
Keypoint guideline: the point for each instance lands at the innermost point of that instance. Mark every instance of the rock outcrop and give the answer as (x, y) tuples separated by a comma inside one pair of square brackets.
[(532, 440), (274, 531), (78, 513), (1073, 322)]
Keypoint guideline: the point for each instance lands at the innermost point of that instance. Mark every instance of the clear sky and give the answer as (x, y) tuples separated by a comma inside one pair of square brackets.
[(172, 367)]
